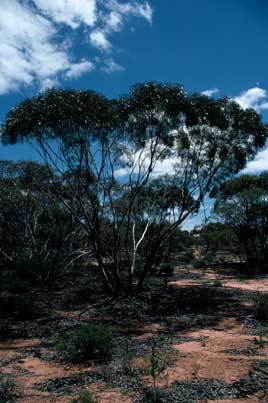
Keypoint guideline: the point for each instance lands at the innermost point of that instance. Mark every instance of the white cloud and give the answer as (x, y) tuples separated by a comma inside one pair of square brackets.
[(256, 98), (146, 12), (99, 40), (114, 22), (27, 52), (259, 164), (134, 8), (80, 68), (161, 167), (118, 14), (48, 83), (110, 66), (69, 12), (35, 50), (139, 161), (190, 223), (210, 93)]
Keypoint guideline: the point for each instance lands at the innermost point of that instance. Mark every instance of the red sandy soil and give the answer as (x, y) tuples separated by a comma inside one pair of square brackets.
[(193, 360), (209, 360), (227, 280)]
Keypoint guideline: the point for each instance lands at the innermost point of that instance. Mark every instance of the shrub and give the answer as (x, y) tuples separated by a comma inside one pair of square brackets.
[(88, 342), (127, 355), (7, 390), (84, 293), (166, 269), (185, 257), (153, 395), (10, 280), (16, 305), (199, 299), (259, 341), (199, 264), (157, 366), (193, 299), (157, 371), (217, 282), (4, 329), (249, 270), (209, 258), (260, 307), (85, 397)]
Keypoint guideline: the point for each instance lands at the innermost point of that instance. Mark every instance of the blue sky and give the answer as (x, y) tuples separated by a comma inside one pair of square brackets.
[(108, 45)]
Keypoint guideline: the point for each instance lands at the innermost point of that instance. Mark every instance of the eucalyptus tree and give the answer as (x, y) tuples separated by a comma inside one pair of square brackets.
[(213, 237), (37, 235), (242, 205), (138, 166)]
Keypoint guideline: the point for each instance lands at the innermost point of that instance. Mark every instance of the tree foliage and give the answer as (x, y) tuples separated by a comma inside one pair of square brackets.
[(37, 235), (213, 237), (114, 155), (242, 204)]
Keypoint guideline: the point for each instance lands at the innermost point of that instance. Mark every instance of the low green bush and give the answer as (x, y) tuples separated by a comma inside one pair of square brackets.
[(154, 395), (185, 257), (209, 258), (84, 293), (88, 342), (10, 281), (15, 305), (193, 299), (217, 282), (199, 299), (7, 390), (249, 270), (4, 329), (259, 341), (166, 269), (260, 307), (199, 264), (85, 397)]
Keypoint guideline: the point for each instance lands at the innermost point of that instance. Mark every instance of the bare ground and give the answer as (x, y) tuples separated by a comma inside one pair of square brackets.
[(211, 354)]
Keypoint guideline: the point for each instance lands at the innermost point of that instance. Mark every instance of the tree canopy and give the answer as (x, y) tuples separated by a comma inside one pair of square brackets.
[(141, 161), (242, 204), (37, 234)]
